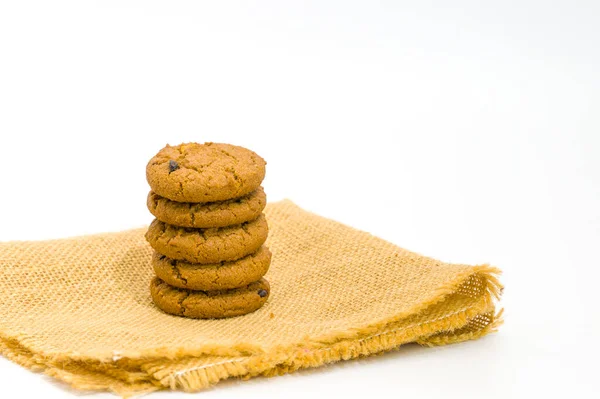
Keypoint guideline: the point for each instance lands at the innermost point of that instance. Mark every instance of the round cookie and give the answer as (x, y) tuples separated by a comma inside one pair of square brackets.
[(216, 276), (208, 245), (206, 215), (206, 172), (209, 304)]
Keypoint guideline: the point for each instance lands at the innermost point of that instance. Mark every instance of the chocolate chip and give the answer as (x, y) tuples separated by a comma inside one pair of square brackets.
[(262, 293), (173, 166), (173, 262)]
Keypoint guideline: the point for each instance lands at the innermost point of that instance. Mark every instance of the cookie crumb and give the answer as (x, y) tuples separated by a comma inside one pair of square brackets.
[(173, 166), (262, 293), (271, 315)]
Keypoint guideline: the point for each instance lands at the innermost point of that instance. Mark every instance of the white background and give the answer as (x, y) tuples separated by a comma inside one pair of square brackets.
[(468, 132)]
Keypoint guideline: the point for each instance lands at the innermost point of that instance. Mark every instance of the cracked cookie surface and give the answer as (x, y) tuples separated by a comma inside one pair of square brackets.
[(209, 304), (206, 215), (206, 172), (216, 276), (208, 245)]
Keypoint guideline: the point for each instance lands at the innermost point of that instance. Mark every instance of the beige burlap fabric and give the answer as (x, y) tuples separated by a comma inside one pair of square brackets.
[(79, 309)]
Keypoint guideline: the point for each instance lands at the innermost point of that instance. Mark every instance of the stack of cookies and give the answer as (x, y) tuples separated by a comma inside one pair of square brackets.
[(209, 230)]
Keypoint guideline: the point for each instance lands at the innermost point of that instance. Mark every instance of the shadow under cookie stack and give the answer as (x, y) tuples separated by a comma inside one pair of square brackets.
[(209, 231)]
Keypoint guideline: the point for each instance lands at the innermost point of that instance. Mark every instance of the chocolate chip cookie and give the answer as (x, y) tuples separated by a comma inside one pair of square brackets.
[(210, 214), (206, 172), (209, 304), (215, 276), (208, 245)]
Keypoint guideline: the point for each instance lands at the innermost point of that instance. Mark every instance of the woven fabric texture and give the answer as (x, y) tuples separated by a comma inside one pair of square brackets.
[(79, 309)]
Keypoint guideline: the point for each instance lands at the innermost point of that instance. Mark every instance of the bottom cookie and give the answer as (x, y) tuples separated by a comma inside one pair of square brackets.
[(209, 304)]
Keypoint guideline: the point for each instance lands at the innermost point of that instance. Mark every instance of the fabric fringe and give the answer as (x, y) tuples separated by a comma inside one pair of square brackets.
[(130, 376), (344, 348)]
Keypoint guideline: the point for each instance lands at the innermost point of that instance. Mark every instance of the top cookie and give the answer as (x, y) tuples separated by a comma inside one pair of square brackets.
[(206, 172)]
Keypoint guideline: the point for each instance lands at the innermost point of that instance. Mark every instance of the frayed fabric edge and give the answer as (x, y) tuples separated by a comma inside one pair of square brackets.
[(248, 361)]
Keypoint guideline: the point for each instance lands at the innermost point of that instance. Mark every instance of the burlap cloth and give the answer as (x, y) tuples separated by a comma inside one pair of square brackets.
[(79, 309)]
